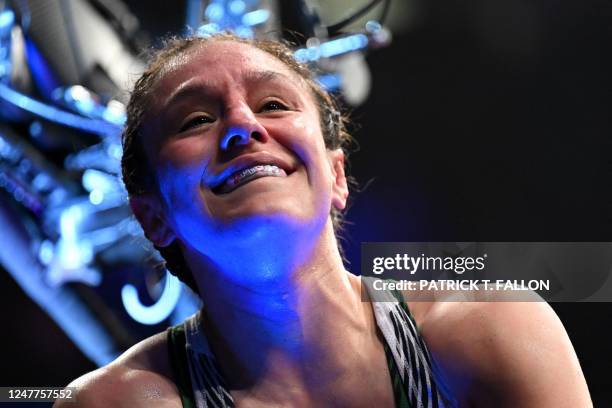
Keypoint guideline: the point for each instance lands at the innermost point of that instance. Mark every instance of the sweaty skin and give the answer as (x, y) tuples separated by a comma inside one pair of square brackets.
[(265, 259)]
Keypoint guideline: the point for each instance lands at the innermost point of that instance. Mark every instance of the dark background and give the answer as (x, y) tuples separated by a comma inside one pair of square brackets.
[(487, 121)]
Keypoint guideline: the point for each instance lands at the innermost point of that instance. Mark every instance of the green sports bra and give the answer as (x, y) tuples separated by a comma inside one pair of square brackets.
[(414, 376)]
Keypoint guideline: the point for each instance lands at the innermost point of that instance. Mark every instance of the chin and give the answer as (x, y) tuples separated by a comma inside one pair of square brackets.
[(273, 221), (263, 223)]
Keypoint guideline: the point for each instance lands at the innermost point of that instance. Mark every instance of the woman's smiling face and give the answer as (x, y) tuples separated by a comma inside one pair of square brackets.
[(234, 138)]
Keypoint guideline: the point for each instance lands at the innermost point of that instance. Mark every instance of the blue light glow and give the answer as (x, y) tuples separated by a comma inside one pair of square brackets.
[(44, 78), (69, 219), (87, 104), (330, 82), (35, 129), (115, 151), (343, 45), (332, 48), (237, 6), (42, 182), (115, 113), (313, 54), (53, 114), (157, 312), (98, 157), (45, 252), (300, 55), (373, 26), (255, 17), (208, 30), (5, 68), (81, 98), (214, 12), (98, 180), (233, 16), (96, 197), (18, 194), (243, 32), (7, 18), (72, 250), (70, 254), (193, 13)]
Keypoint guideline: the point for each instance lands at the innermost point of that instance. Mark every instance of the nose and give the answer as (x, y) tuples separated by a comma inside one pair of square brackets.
[(242, 127)]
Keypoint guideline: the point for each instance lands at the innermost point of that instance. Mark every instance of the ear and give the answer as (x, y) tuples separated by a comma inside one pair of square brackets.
[(148, 211), (340, 187)]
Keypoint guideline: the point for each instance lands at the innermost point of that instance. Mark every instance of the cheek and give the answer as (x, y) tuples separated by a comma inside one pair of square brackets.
[(180, 166), (310, 128), (185, 152), (309, 144), (178, 185)]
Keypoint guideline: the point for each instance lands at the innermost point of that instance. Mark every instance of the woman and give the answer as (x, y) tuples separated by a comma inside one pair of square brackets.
[(234, 163)]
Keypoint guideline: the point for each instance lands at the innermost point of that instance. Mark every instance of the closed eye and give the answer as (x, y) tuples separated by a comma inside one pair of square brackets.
[(195, 122)]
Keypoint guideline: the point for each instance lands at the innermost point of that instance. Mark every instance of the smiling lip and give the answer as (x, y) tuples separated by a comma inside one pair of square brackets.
[(244, 169), (244, 176)]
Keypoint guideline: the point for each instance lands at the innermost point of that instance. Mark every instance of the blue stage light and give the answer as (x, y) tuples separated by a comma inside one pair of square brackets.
[(115, 113), (99, 180), (331, 82), (96, 197), (343, 45), (157, 312), (255, 17), (214, 12), (45, 79), (233, 16), (373, 26), (237, 6), (243, 32), (208, 30), (35, 129), (332, 48), (115, 151), (95, 126), (45, 252), (7, 19)]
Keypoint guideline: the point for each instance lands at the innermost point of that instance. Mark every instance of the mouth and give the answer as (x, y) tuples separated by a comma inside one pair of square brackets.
[(244, 169), (246, 175)]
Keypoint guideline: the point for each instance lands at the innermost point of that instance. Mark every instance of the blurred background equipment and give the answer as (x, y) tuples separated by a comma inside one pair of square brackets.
[(69, 238)]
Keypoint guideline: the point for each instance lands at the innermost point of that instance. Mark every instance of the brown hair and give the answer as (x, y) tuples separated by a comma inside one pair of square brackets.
[(138, 177)]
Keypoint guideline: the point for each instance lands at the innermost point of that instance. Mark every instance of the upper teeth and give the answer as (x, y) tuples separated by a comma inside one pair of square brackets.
[(264, 168)]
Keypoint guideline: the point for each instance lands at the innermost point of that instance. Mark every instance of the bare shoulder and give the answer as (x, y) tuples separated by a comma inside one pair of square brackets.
[(503, 353), (140, 377)]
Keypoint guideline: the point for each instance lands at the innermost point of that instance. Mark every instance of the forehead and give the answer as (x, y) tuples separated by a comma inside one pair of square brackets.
[(218, 61)]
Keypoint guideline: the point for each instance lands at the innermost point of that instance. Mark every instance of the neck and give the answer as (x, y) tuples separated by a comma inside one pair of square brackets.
[(277, 321)]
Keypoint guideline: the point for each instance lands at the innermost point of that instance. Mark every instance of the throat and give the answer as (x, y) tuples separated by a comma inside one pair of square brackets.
[(288, 332), (270, 317)]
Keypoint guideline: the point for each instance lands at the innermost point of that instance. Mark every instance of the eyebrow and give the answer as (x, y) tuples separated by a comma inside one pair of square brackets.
[(265, 76), (203, 86)]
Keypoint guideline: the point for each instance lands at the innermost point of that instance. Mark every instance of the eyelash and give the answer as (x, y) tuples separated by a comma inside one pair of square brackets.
[(279, 106), (197, 121), (202, 120)]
